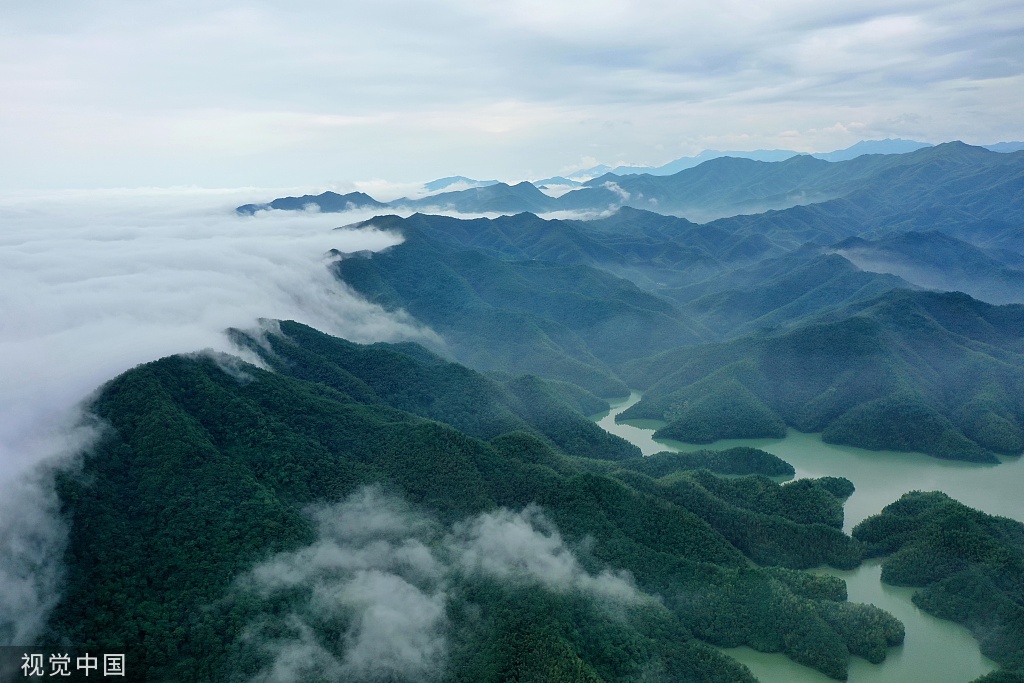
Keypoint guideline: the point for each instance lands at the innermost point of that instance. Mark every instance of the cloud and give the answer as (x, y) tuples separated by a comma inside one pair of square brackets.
[(242, 92), (373, 568), (92, 284), (387, 572), (614, 187), (525, 546)]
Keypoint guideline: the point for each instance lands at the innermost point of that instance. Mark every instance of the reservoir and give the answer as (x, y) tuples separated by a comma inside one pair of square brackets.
[(935, 651)]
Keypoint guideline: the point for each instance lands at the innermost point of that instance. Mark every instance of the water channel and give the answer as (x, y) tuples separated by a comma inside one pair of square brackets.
[(935, 651)]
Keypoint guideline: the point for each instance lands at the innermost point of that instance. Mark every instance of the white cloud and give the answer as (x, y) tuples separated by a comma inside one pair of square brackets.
[(526, 546), (387, 571), (92, 284)]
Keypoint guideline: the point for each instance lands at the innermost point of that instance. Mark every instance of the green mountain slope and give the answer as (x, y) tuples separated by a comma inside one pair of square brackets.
[(936, 261), (937, 373), (970, 566), (951, 185), (572, 323), (193, 548)]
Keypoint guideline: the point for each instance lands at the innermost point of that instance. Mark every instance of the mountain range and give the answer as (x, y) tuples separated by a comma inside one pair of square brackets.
[(451, 512), (448, 513), (947, 177)]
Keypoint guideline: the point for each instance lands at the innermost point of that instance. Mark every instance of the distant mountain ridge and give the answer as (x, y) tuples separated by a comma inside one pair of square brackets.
[(729, 186), (884, 146), (444, 183)]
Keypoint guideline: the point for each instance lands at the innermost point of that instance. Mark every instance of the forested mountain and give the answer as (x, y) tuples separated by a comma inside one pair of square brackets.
[(567, 322), (937, 373), (469, 536), (381, 513), (964, 187), (936, 261), (970, 566)]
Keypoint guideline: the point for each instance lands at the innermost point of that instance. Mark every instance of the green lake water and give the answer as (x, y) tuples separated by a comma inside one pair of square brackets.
[(935, 651)]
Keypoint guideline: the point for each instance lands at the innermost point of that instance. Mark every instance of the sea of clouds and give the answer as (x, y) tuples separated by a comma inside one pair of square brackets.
[(94, 283)]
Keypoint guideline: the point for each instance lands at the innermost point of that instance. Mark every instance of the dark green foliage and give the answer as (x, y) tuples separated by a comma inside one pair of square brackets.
[(938, 373), (567, 322), (426, 385), (903, 424), (970, 566), (1001, 676), (792, 526), (715, 409), (208, 465), (738, 460)]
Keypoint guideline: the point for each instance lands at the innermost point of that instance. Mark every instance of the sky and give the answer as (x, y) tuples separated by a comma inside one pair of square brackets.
[(112, 93)]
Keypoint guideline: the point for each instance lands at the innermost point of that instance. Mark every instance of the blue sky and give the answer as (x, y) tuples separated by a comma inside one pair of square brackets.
[(102, 93)]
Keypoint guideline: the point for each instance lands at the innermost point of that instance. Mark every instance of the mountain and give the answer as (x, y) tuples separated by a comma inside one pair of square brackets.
[(969, 565), (557, 180), (878, 374), (327, 202), (496, 198), (568, 322), (887, 146), (444, 183), (968, 188), (1005, 147), (934, 260), (779, 293), (232, 523), (684, 163)]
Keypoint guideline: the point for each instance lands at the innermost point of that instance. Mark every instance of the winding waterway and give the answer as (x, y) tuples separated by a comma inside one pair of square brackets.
[(935, 651)]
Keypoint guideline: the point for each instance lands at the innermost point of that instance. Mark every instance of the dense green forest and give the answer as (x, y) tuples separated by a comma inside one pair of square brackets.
[(196, 549), (938, 373), (567, 322), (969, 565)]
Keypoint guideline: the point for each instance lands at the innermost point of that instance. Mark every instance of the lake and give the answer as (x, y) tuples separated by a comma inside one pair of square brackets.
[(935, 651)]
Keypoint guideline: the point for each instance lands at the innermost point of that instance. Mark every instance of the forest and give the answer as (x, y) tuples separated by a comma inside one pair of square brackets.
[(210, 468)]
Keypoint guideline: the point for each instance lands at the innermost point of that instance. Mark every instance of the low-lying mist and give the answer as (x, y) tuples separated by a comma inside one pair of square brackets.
[(94, 283)]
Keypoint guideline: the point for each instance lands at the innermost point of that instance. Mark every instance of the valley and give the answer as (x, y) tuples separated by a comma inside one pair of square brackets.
[(805, 365)]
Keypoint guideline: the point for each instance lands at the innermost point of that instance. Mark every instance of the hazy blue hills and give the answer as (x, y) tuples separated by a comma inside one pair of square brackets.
[(444, 183), (781, 292), (683, 163), (934, 260), (887, 146), (230, 518), (496, 198), (938, 373), (959, 184), (569, 322), (327, 202)]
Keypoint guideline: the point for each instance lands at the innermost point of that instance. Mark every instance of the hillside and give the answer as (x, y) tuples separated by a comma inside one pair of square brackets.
[(938, 373), (936, 261), (566, 322), (231, 518), (964, 188), (969, 565)]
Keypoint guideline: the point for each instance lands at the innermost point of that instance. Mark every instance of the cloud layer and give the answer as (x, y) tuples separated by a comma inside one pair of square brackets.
[(94, 284), (260, 92)]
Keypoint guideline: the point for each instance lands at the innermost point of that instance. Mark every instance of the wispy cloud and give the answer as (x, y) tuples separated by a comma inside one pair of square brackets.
[(388, 572), (93, 284)]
